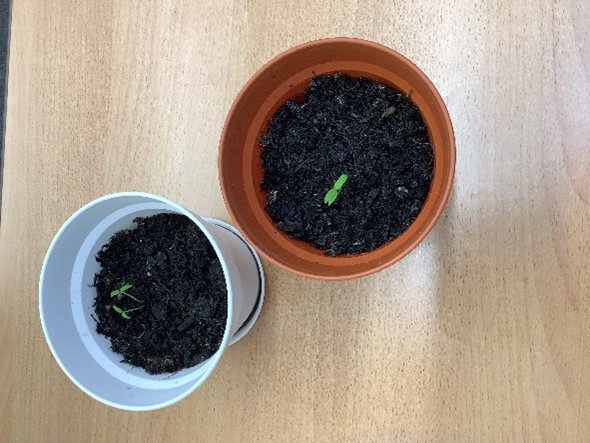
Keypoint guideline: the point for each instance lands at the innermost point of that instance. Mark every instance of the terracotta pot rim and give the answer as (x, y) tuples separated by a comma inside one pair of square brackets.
[(443, 192)]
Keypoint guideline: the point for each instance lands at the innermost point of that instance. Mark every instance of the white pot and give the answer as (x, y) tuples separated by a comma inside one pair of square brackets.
[(66, 299)]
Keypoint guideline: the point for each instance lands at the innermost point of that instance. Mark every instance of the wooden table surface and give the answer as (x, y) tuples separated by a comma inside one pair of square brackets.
[(480, 334)]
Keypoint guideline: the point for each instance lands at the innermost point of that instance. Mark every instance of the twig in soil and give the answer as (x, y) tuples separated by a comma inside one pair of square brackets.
[(163, 287)]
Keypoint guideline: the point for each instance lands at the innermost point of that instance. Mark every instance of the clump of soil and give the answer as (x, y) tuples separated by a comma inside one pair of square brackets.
[(366, 130), (177, 305)]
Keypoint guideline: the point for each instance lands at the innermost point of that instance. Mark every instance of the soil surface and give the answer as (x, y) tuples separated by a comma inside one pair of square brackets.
[(177, 306), (366, 130)]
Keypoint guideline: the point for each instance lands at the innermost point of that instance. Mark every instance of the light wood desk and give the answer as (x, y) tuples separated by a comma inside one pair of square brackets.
[(481, 334)]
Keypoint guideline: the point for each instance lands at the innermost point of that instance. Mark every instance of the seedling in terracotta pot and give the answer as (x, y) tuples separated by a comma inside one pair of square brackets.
[(355, 124), (344, 104), (333, 193)]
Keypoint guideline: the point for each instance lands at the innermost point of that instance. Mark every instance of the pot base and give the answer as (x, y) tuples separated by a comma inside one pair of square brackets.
[(249, 323)]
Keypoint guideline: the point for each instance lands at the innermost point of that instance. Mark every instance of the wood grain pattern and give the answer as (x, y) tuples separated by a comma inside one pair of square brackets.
[(481, 334)]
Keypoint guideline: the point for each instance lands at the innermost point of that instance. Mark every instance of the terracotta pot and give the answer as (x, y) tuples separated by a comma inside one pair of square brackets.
[(283, 78)]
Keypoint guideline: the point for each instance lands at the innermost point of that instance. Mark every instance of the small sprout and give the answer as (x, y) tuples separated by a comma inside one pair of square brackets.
[(123, 313), (333, 193), (120, 311), (121, 292)]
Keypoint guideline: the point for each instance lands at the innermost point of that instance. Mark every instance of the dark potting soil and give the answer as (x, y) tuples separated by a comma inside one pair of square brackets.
[(177, 306), (366, 130)]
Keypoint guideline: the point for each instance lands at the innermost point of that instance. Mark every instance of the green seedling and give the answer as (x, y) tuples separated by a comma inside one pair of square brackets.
[(333, 193), (120, 311), (123, 313), (121, 292)]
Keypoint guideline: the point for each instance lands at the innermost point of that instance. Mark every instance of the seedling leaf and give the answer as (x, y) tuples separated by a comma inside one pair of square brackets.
[(331, 196), (121, 312), (333, 193), (121, 291), (340, 182)]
